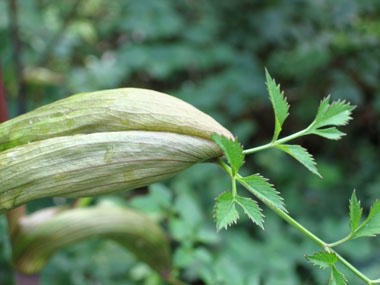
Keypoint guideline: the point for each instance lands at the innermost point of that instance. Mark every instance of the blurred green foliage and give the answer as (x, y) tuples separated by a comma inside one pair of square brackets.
[(212, 54)]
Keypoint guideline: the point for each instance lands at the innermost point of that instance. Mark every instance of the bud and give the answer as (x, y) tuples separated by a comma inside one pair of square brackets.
[(95, 164), (100, 143), (109, 111)]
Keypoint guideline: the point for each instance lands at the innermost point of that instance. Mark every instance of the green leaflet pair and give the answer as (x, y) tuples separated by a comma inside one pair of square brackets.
[(100, 143)]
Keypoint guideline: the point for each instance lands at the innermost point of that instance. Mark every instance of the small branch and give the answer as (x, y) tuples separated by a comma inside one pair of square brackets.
[(343, 240), (277, 142), (352, 268), (17, 56), (234, 187), (57, 37), (300, 228)]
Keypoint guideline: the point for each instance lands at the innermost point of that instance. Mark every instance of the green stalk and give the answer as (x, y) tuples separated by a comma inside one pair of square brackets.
[(302, 229), (290, 220), (83, 202), (343, 240), (234, 187), (352, 268), (277, 142)]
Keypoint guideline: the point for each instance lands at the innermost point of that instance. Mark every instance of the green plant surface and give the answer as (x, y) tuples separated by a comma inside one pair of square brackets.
[(71, 166), (336, 114), (212, 54), (128, 109), (45, 232)]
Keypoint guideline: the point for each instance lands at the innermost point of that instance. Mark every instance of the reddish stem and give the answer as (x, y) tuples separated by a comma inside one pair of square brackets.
[(14, 215), (24, 279), (3, 102)]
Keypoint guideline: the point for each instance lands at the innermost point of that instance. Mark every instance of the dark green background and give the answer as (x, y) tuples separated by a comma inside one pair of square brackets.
[(212, 54)]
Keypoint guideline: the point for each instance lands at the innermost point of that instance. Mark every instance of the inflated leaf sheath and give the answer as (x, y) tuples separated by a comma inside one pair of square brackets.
[(109, 111), (44, 232), (95, 164)]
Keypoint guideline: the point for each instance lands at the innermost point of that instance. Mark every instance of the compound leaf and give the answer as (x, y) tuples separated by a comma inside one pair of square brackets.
[(280, 105), (355, 212), (338, 113), (252, 210), (336, 277), (232, 150), (300, 154), (260, 187), (322, 259), (371, 226), (225, 211)]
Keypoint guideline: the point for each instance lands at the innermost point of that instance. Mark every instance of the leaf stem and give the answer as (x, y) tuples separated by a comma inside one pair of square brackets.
[(352, 268), (277, 142), (288, 219), (343, 240), (234, 187), (301, 228)]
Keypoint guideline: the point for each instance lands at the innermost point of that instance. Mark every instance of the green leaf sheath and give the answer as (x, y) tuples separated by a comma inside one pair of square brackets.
[(322, 259), (336, 114), (225, 211), (280, 106), (44, 232), (95, 164), (251, 209), (371, 226), (300, 154), (260, 187), (109, 111), (232, 150), (355, 212)]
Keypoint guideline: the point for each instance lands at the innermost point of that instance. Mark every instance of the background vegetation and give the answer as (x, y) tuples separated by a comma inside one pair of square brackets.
[(212, 54)]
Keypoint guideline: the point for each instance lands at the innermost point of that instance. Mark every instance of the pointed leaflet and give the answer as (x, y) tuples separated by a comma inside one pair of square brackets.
[(225, 211), (232, 149), (260, 187), (371, 226), (301, 154), (280, 106), (336, 277), (252, 210), (355, 212), (329, 133), (337, 113), (322, 259)]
